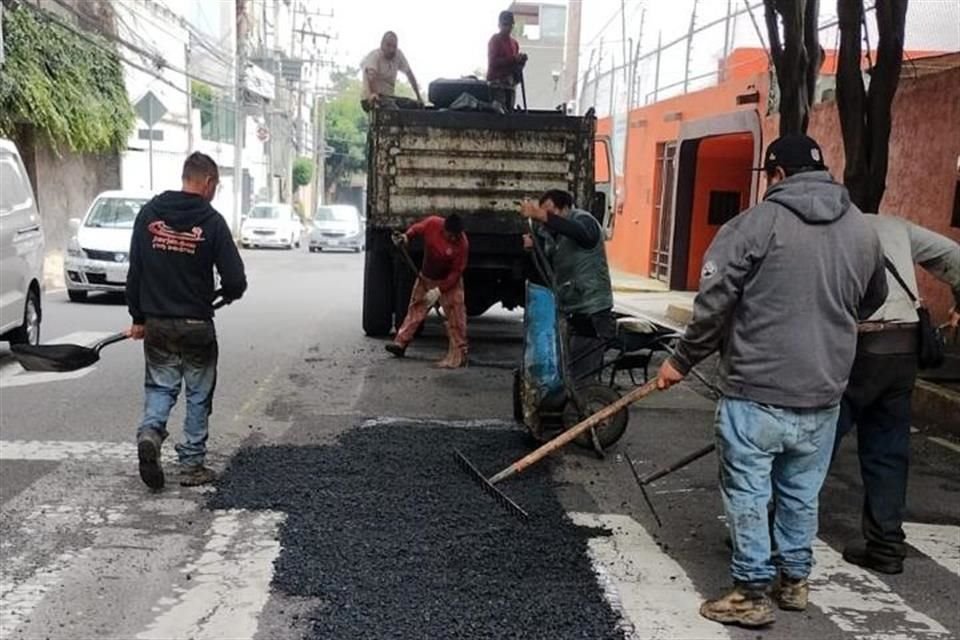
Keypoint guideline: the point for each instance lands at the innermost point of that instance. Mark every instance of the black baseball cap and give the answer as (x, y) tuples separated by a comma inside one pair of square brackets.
[(793, 151)]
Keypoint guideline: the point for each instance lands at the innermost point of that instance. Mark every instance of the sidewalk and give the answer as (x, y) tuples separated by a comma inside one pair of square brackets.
[(651, 300)]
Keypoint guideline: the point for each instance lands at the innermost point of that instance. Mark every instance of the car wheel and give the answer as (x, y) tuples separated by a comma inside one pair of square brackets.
[(29, 331), (77, 295)]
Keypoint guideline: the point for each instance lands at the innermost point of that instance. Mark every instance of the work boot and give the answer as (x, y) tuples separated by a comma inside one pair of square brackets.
[(859, 555), (747, 606), (194, 475), (148, 453), (792, 593), (396, 349)]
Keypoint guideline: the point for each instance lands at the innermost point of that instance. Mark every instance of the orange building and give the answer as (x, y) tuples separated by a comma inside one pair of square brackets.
[(689, 160)]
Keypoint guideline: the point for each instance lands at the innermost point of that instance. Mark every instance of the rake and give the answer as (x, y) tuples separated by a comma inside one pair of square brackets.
[(571, 434)]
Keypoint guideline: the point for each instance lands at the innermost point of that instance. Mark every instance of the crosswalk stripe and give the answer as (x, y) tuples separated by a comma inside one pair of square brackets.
[(230, 581), (862, 604), (941, 543), (648, 586), (17, 601)]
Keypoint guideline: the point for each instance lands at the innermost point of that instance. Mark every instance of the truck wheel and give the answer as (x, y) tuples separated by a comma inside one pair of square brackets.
[(378, 293)]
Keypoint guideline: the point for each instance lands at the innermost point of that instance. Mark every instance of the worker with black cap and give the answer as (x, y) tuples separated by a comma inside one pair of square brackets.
[(782, 289)]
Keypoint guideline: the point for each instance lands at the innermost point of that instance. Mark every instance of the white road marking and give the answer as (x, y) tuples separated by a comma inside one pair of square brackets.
[(426, 422), (862, 605), (645, 584), (230, 582), (17, 601), (63, 450), (13, 375), (945, 443), (940, 543)]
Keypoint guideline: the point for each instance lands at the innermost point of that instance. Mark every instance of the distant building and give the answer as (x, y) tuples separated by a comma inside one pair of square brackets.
[(541, 30)]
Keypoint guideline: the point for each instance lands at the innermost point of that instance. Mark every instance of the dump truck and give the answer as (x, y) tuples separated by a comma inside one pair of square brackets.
[(480, 166)]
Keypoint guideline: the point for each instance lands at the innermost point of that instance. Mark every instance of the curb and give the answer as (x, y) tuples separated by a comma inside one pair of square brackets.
[(936, 406)]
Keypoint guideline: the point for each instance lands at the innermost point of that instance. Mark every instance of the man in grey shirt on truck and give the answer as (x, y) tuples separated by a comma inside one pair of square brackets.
[(878, 398), (782, 289)]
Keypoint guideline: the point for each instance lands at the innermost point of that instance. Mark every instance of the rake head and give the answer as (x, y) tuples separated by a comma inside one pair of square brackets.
[(489, 487)]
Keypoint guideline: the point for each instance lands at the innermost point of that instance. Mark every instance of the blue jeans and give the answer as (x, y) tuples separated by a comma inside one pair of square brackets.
[(180, 352), (773, 453)]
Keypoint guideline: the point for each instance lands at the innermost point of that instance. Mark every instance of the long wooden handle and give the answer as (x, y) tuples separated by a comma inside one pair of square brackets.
[(573, 432)]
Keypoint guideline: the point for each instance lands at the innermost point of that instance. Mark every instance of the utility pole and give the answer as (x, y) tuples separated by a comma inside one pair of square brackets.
[(239, 117), (186, 65), (321, 144)]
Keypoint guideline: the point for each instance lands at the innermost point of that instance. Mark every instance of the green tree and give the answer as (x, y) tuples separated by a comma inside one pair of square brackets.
[(302, 172), (346, 128)]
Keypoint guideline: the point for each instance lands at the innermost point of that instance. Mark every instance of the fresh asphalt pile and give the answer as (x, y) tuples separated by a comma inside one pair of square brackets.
[(392, 539)]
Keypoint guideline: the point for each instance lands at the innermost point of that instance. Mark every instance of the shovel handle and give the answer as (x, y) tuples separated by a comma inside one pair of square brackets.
[(117, 337), (573, 432)]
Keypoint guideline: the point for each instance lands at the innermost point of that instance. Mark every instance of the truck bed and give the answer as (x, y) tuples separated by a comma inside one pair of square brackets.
[(479, 165)]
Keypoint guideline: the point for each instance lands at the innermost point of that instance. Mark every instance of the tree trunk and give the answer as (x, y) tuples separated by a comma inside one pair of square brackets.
[(851, 99), (884, 79), (865, 115), (796, 58)]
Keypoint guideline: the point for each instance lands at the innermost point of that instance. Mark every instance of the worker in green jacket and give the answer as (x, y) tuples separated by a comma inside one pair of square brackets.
[(573, 244)]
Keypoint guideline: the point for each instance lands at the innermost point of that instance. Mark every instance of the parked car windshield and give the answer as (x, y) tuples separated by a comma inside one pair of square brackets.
[(338, 214), (115, 213), (269, 212)]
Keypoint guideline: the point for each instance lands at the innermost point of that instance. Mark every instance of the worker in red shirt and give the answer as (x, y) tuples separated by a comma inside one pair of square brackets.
[(445, 249), (504, 63)]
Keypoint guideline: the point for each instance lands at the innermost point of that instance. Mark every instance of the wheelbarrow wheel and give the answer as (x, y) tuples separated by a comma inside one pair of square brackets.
[(594, 398)]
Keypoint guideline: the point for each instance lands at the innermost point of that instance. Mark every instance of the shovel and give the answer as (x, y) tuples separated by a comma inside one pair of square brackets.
[(67, 357)]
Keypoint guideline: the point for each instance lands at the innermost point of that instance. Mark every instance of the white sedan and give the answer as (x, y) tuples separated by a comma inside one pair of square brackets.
[(271, 225), (98, 255)]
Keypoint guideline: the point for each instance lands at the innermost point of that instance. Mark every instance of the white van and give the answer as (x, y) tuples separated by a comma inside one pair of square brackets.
[(21, 252)]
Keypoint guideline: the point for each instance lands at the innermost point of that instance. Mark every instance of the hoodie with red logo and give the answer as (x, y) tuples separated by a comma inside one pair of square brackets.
[(178, 241)]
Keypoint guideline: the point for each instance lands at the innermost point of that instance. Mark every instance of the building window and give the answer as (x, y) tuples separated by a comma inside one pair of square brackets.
[(955, 222), (724, 206)]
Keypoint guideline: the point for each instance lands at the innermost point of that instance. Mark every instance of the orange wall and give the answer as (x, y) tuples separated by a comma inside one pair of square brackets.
[(724, 163), (629, 250)]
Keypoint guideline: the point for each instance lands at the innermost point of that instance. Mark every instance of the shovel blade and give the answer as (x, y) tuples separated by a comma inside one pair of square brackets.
[(54, 357)]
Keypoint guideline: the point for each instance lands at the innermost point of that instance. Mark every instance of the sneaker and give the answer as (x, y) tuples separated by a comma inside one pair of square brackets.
[(747, 607), (195, 475), (792, 593), (148, 453), (396, 349), (859, 555)]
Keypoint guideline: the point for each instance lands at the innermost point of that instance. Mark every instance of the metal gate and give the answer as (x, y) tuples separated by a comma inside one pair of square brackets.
[(666, 177)]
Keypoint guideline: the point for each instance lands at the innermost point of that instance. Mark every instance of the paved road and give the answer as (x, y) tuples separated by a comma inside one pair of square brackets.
[(340, 513)]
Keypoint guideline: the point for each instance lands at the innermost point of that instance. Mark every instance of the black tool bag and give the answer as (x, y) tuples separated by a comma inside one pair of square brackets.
[(931, 347), (443, 92)]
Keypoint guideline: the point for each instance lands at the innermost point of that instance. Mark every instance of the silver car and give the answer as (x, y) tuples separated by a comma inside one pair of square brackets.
[(21, 252), (337, 226), (98, 253)]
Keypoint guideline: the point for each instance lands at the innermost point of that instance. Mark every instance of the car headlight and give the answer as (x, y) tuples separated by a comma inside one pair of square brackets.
[(73, 248)]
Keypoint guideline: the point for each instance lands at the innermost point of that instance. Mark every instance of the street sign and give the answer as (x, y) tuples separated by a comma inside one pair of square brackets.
[(150, 109), (150, 134)]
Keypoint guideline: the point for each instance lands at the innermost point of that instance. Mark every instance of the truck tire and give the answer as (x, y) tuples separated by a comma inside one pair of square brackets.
[(378, 291)]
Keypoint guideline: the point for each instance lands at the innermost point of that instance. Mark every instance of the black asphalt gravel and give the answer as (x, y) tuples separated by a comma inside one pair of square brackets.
[(394, 540)]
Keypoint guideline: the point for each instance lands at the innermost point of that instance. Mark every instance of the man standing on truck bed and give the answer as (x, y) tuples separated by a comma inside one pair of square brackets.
[(445, 250), (574, 246), (380, 75), (504, 62), (178, 240)]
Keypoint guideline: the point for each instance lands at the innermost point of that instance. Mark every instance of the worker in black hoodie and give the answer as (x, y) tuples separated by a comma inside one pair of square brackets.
[(178, 240)]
